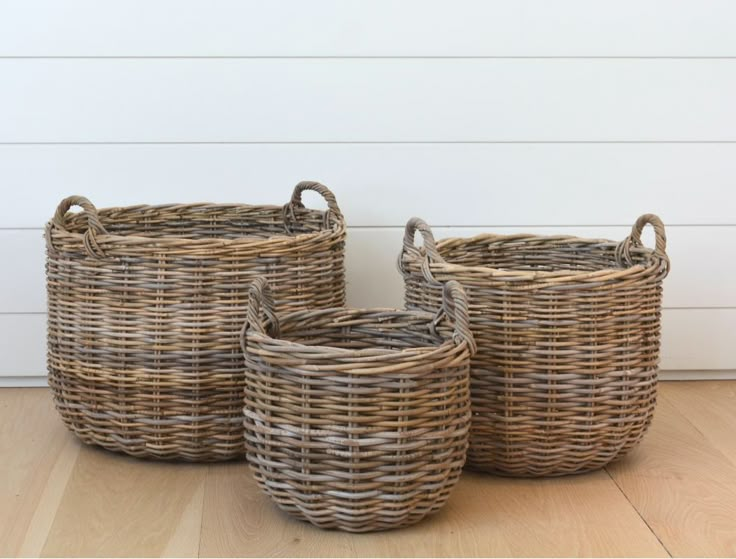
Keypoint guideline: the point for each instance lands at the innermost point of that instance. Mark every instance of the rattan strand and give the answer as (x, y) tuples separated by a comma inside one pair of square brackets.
[(145, 306), (358, 419), (568, 334)]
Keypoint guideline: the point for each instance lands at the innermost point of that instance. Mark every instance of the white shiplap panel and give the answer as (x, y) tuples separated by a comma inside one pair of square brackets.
[(701, 272), (692, 339), (22, 284), (22, 345), (327, 100), (361, 28), (377, 184), (696, 339)]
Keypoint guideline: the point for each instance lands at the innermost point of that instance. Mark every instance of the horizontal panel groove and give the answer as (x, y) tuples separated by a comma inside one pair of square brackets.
[(29, 313), (367, 57), (490, 226), (371, 142), (664, 308), (41, 381)]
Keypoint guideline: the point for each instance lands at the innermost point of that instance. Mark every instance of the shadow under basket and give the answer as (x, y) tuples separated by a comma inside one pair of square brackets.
[(357, 419), (145, 307), (568, 333)]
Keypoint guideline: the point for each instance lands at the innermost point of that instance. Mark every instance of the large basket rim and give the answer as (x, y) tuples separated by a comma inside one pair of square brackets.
[(337, 228)]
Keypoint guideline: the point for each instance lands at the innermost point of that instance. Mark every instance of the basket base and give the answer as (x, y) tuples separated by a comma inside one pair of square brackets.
[(143, 452), (538, 471)]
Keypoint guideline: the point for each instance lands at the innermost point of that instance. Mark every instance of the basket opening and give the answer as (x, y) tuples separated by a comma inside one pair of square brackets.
[(202, 221), (357, 329), (548, 254)]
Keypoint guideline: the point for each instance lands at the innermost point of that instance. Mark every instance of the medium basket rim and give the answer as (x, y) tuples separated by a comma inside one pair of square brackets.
[(447, 242), (654, 262)]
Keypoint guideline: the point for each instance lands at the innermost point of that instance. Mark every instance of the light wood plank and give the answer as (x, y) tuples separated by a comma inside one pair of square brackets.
[(486, 516), (683, 486), (711, 408), (385, 184), (238, 520), (681, 480), (328, 100), (377, 28), (48, 504), (36, 458), (129, 507)]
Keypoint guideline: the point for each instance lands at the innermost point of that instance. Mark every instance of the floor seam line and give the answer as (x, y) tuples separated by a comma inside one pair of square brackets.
[(644, 520)]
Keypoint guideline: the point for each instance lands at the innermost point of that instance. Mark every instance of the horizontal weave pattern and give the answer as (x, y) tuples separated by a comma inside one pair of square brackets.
[(568, 335), (358, 419), (145, 308)]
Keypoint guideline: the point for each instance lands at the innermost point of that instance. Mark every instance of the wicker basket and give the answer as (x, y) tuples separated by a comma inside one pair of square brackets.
[(358, 419), (568, 333), (145, 306)]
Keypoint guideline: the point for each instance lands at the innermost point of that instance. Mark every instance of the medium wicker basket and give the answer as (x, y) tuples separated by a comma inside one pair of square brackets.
[(145, 306), (358, 419), (568, 334)]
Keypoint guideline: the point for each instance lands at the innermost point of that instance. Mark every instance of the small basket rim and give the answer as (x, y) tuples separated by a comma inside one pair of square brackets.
[(454, 308), (365, 355)]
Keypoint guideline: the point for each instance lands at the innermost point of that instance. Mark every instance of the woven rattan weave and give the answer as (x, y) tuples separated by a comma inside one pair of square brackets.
[(145, 307), (358, 419), (568, 334)]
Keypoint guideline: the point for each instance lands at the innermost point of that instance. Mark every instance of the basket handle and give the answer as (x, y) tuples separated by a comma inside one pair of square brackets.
[(94, 225), (455, 307), (260, 302), (634, 239), (296, 202), (93, 218), (410, 249)]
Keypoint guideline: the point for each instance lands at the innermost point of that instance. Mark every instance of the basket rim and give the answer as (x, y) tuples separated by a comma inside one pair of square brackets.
[(557, 276), (366, 356), (338, 228)]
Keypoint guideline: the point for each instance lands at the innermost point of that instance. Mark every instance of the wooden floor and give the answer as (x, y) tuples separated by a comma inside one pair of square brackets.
[(675, 495)]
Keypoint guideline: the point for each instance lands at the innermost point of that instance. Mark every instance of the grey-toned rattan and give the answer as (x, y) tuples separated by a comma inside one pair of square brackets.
[(568, 334), (145, 307), (358, 419)]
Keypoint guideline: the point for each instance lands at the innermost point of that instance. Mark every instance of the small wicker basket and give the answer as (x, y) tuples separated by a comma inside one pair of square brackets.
[(357, 419), (568, 334), (145, 306)]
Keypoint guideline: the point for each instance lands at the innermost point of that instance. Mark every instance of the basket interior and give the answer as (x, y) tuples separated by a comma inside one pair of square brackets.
[(357, 329), (537, 253), (202, 221)]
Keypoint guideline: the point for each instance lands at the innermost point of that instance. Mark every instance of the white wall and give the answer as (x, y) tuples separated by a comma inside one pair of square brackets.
[(564, 116)]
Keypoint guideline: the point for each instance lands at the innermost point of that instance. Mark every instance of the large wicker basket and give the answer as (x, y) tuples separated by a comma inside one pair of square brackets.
[(568, 333), (145, 306), (358, 419)]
